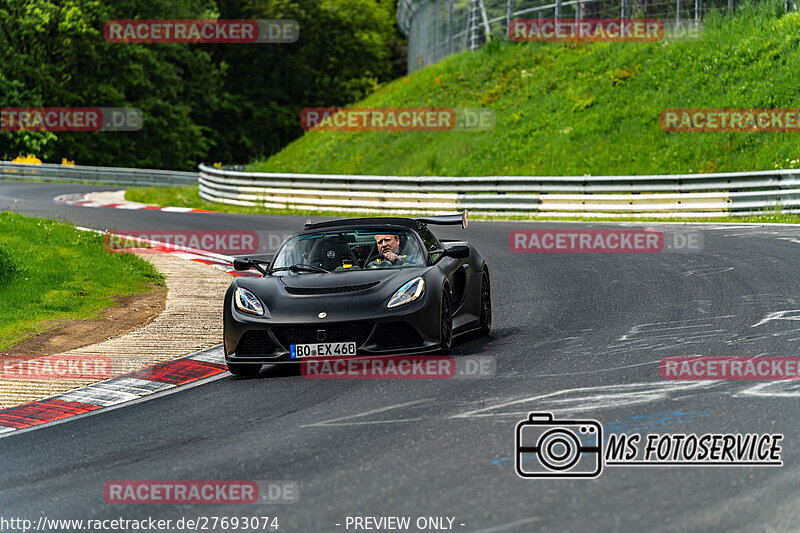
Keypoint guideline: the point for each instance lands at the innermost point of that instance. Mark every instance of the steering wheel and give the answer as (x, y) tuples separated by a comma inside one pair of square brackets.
[(373, 255), (382, 264)]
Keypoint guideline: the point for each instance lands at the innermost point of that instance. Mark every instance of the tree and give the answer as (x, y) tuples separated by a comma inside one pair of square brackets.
[(217, 102)]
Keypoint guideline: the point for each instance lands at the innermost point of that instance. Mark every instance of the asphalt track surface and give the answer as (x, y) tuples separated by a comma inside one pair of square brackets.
[(576, 334)]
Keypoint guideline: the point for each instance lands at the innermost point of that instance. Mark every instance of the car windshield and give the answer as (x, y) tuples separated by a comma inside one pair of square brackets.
[(349, 250)]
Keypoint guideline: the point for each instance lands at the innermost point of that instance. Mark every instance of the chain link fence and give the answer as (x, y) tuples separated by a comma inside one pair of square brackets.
[(437, 28)]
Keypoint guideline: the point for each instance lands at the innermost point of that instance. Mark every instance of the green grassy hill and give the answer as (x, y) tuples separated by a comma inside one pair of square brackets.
[(575, 109)]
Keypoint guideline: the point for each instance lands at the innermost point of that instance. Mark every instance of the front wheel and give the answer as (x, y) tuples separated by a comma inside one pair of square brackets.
[(244, 369), (446, 327), (485, 325)]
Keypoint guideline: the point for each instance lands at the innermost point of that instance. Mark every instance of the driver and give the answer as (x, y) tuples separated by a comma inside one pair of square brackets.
[(389, 248)]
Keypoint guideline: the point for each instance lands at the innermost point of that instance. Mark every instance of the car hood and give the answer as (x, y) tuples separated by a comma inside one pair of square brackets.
[(341, 295), (351, 279)]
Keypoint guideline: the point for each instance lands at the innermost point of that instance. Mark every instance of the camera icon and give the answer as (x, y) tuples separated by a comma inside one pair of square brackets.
[(548, 448)]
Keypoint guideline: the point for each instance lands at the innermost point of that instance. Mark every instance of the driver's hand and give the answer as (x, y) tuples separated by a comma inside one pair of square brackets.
[(390, 256)]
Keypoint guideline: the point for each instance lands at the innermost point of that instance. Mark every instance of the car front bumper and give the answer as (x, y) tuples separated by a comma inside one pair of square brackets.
[(409, 329)]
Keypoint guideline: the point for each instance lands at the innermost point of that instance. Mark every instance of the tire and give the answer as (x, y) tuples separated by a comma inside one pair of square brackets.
[(244, 369), (446, 325), (485, 324)]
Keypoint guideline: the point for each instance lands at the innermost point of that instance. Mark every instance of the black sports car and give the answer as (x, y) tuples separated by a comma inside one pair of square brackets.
[(364, 286)]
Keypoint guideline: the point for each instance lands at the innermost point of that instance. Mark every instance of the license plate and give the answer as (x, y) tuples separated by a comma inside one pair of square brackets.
[(322, 349)]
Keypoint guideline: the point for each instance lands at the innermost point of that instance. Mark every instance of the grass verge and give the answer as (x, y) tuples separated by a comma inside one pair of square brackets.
[(50, 271)]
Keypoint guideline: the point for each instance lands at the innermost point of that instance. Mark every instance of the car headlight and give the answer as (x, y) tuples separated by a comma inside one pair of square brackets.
[(407, 293), (248, 302)]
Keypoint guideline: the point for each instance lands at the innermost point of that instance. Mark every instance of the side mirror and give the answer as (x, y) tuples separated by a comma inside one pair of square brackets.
[(242, 264), (246, 263), (458, 251)]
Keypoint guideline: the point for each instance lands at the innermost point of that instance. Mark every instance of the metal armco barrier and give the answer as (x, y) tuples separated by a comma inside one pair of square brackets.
[(662, 196), (112, 175)]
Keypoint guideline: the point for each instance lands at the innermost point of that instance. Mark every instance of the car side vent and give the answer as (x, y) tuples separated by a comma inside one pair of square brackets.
[(255, 343), (395, 335)]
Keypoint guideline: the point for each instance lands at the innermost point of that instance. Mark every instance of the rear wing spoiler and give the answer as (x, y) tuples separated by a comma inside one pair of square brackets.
[(446, 220)]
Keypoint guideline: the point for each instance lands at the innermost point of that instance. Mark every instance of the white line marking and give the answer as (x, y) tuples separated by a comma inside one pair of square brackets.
[(368, 423), (773, 389), (333, 421), (639, 328), (708, 271), (591, 398), (511, 525), (778, 315), (562, 374)]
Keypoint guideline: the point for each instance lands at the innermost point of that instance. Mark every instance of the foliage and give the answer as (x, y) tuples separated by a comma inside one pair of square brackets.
[(576, 109), (344, 53), (200, 102), (29, 159)]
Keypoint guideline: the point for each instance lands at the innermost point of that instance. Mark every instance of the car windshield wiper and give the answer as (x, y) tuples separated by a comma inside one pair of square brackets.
[(298, 267)]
